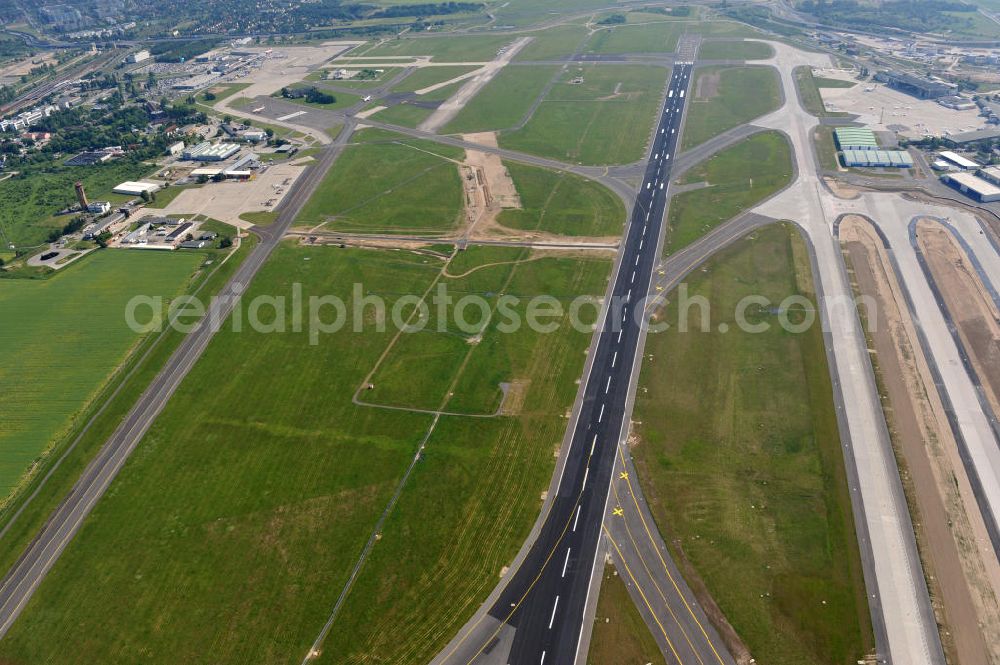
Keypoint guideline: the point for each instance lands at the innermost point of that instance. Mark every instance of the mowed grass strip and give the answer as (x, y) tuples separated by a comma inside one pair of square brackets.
[(654, 37), (740, 459), (620, 635), (459, 48), (723, 97), (238, 518), (735, 180), (734, 50), (61, 338), (557, 42), (808, 88), (504, 101), (595, 114), (385, 185), (477, 489), (562, 203)]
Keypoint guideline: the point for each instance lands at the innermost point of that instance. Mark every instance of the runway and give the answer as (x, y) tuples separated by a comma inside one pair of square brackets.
[(539, 617)]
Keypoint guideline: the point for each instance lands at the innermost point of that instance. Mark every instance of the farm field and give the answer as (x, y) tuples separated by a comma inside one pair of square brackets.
[(269, 465), (503, 102), (50, 378), (738, 452), (620, 635), (738, 178), (28, 204), (398, 186), (605, 119), (723, 97), (735, 50), (562, 204)]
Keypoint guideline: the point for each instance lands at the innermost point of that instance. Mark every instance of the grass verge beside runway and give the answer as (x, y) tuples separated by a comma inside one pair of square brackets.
[(234, 526), (740, 459), (116, 398), (503, 102), (560, 41), (808, 87), (737, 178), (722, 97), (735, 50), (390, 184), (562, 204), (472, 48), (50, 378), (605, 117), (620, 635)]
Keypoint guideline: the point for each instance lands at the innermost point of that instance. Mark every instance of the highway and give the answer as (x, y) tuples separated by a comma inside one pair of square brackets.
[(39, 557), (539, 616)]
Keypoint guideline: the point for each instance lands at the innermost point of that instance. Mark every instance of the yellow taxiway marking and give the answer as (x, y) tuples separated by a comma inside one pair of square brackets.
[(623, 475), (618, 512)]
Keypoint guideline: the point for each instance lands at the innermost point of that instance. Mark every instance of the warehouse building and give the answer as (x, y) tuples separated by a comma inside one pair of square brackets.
[(877, 158), (973, 186), (991, 174), (915, 85), (855, 138), (958, 161), (138, 56), (209, 152), (130, 188), (966, 138)]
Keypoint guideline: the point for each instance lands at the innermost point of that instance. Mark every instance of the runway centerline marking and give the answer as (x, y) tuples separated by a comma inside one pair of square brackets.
[(566, 562), (555, 606)]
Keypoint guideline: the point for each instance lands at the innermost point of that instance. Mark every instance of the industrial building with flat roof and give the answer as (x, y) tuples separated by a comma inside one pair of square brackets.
[(208, 152), (884, 158), (964, 138), (130, 188), (855, 138), (963, 163), (973, 186)]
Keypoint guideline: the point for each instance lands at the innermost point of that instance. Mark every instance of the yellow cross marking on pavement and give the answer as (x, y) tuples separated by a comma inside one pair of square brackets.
[(659, 288), (623, 475), (618, 511)]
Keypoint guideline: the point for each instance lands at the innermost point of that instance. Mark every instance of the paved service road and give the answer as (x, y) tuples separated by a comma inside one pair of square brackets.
[(29, 571), (539, 616)]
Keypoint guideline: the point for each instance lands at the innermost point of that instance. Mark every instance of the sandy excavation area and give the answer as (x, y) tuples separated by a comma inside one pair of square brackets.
[(962, 572)]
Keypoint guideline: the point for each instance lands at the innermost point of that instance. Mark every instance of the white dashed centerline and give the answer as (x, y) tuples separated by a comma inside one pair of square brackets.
[(553, 617), (576, 519), (566, 562)]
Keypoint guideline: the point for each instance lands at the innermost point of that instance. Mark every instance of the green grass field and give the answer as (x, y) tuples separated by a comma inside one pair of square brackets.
[(738, 177), (428, 76), (478, 48), (826, 149), (808, 87), (50, 378), (735, 50), (739, 457), (562, 204), (660, 37), (606, 119), (319, 75), (502, 103), (341, 99), (620, 635), (723, 97), (28, 203), (557, 42), (409, 186), (276, 479)]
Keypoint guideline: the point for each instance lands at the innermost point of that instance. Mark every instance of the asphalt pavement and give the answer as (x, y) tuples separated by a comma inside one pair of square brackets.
[(539, 616)]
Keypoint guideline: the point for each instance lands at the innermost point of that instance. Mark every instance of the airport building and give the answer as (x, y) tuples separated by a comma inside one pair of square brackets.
[(130, 188), (973, 186), (209, 152), (916, 85), (855, 138), (955, 159), (877, 158)]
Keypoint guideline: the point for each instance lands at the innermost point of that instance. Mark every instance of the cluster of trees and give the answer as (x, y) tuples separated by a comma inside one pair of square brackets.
[(72, 226), (427, 9), (909, 15), (613, 19), (311, 94), (181, 51)]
